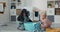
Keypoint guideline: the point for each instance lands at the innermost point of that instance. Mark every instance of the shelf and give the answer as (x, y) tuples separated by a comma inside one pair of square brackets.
[(57, 11), (57, 3), (50, 4)]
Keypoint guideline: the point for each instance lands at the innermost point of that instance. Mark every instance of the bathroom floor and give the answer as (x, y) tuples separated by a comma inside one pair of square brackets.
[(12, 27)]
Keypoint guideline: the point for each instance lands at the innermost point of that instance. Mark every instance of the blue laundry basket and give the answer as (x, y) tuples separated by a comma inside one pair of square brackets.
[(32, 26)]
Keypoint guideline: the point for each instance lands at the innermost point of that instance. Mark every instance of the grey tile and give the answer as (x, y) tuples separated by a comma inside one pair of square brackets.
[(13, 18), (51, 18), (12, 27)]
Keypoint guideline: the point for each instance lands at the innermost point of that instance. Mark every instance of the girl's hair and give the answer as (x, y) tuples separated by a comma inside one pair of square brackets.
[(43, 12), (24, 11)]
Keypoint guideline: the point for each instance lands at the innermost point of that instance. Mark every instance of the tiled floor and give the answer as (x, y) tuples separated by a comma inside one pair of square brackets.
[(12, 27)]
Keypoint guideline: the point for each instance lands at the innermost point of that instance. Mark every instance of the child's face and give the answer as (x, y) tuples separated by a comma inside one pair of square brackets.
[(43, 16), (24, 14)]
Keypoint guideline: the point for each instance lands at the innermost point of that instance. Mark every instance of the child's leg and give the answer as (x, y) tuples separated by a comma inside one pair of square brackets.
[(20, 26)]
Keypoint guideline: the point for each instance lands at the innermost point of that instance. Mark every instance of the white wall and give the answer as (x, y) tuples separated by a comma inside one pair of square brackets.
[(4, 18), (42, 5), (30, 4)]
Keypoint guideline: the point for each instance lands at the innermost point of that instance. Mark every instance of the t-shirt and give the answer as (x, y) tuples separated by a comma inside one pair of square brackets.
[(46, 23)]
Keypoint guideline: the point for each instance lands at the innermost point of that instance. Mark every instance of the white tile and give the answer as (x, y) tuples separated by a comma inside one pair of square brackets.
[(55, 25), (12, 11), (50, 11), (57, 19)]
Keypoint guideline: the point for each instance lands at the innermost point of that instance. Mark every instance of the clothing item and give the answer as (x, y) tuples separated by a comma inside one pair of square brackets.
[(46, 23), (21, 26), (26, 19), (32, 26)]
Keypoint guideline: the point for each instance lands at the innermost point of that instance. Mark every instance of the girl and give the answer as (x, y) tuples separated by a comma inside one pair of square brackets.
[(45, 22), (23, 17)]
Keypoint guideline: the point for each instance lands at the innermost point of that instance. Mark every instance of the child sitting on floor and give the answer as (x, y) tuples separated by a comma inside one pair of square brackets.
[(23, 17), (45, 22)]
